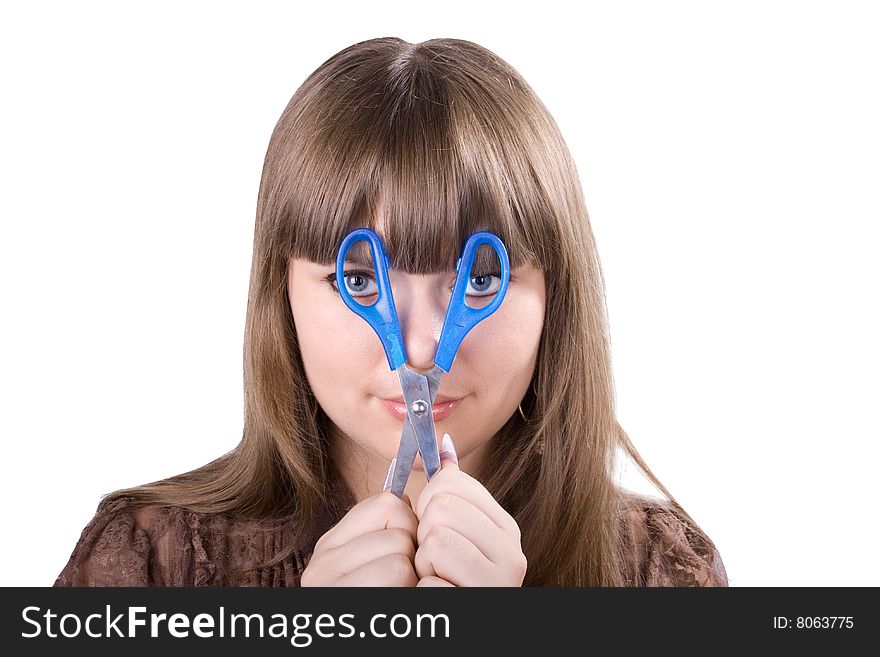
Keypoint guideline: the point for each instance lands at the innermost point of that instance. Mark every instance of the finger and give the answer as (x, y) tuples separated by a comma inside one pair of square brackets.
[(389, 570), (450, 510), (382, 511), (448, 455), (365, 548), (451, 479), (431, 580), (447, 554)]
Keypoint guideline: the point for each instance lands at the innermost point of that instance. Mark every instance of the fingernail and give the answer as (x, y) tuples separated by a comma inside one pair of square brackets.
[(447, 449), (387, 485)]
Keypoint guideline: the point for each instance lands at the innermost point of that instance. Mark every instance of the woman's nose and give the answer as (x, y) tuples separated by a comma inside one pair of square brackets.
[(421, 321)]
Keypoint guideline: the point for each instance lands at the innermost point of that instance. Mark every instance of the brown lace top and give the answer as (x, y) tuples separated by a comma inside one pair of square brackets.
[(171, 546)]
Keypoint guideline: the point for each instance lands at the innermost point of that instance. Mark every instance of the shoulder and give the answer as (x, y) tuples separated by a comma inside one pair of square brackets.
[(112, 550), (128, 543), (131, 544), (663, 547)]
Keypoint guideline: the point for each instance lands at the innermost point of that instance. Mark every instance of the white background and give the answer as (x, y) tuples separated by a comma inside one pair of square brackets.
[(729, 158)]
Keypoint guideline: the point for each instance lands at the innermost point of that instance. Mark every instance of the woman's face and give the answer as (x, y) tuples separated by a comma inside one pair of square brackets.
[(348, 370)]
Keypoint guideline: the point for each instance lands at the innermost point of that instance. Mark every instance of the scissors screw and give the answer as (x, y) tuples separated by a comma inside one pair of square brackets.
[(419, 407)]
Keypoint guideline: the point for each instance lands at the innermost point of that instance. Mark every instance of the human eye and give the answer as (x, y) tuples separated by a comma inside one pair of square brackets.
[(357, 282), (484, 285)]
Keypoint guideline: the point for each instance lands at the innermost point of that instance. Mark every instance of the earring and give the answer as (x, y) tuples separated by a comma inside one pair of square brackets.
[(523, 414)]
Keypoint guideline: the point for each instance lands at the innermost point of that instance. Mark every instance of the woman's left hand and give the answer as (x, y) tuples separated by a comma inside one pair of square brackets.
[(465, 537)]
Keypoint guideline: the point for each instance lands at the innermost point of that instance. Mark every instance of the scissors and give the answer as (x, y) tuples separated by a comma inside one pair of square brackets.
[(420, 390)]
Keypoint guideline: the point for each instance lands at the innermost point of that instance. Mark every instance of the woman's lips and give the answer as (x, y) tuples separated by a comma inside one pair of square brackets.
[(439, 411)]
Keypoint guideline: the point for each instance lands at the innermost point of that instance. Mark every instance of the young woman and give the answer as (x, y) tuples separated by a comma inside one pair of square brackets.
[(426, 144)]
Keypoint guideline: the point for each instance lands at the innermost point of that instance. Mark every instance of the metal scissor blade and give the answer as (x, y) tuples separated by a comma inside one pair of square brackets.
[(416, 388), (406, 456), (433, 379)]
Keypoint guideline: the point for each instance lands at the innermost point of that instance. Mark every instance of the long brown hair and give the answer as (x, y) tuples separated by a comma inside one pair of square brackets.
[(452, 140)]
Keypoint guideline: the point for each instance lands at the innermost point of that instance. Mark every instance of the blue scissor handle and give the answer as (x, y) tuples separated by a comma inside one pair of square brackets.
[(461, 318), (381, 315)]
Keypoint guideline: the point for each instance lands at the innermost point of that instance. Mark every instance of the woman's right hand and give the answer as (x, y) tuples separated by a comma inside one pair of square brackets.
[(373, 545)]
